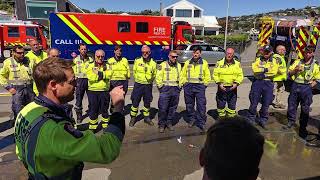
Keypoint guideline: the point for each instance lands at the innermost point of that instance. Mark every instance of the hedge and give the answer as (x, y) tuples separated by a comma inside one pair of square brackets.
[(219, 39)]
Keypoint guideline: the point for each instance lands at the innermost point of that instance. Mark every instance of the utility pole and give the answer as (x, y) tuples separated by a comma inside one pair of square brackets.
[(226, 29)]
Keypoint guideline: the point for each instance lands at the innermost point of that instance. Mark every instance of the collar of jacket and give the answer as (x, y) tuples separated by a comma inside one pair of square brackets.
[(200, 61), (171, 64), (59, 110), (232, 62), (146, 60), (118, 59), (84, 58), (304, 62), (270, 58), (37, 53)]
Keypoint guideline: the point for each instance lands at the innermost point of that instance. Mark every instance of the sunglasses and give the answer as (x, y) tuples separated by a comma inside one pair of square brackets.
[(174, 56), (100, 56), (146, 52), (19, 52)]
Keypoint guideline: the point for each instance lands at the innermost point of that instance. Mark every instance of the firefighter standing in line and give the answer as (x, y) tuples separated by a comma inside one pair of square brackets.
[(264, 68), (36, 55), (168, 83), (80, 66), (304, 74), (16, 77), (120, 70), (228, 75), (98, 73), (46, 141), (53, 52), (195, 77), (280, 77), (144, 72)]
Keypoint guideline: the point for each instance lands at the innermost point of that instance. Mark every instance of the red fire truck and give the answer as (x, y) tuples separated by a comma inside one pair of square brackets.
[(19, 33), (104, 31)]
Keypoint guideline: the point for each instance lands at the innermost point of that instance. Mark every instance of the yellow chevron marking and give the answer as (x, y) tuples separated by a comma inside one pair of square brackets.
[(109, 42), (156, 42), (68, 23), (147, 43), (83, 27), (165, 43), (129, 43), (138, 42), (119, 42)]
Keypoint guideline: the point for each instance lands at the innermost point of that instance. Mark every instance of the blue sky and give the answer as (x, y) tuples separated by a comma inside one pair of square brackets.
[(211, 7)]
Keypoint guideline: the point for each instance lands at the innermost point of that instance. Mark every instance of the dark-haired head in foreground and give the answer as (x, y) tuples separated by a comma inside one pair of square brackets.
[(232, 151)]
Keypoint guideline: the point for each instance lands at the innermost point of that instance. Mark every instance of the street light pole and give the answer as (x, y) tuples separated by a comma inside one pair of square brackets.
[(226, 29)]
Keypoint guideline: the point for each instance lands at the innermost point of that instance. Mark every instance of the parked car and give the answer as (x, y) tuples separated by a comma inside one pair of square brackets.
[(210, 52)]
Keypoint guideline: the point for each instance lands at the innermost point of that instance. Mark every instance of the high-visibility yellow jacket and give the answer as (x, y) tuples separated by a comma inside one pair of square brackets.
[(101, 80), (195, 72), (144, 72), (265, 69), (35, 58), (310, 72), (168, 74), (80, 66), (120, 68), (16, 73), (282, 72), (227, 74)]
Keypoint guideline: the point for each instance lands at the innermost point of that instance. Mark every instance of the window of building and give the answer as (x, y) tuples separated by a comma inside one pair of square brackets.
[(209, 33), (170, 12), (40, 9), (142, 27), (13, 31), (198, 32), (197, 13), (123, 26), (183, 13)]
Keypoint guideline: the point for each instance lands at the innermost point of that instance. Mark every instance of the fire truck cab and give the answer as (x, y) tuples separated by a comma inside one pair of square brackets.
[(18, 32)]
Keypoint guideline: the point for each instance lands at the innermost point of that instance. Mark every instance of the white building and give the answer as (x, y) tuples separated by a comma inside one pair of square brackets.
[(184, 10)]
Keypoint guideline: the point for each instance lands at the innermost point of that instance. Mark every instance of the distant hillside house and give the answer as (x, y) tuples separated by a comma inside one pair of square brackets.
[(184, 10), (39, 10)]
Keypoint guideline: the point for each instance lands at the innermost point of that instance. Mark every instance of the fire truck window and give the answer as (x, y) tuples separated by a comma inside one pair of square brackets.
[(13, 32), (142, 27), (123, 26), (31, 31)]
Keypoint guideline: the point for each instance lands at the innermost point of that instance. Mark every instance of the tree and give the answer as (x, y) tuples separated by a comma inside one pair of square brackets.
[(6, 6), (86, 10), (101, 11)]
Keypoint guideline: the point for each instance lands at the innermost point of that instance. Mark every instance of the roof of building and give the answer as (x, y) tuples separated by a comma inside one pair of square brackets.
[(183, 4), (74, 5)]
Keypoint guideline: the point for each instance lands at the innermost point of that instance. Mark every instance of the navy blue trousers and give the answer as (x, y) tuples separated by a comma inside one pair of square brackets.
[(82, 87), (167, 104), (261, 90), (141, 91), (300, 94), (98, 104), (21, 98), (196, 94)]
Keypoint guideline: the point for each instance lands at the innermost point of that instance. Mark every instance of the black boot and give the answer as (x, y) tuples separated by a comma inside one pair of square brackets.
[(148, 121), (132, 121)]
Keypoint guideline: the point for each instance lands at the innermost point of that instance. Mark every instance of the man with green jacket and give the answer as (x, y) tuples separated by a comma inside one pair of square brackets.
[(47, 142)]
